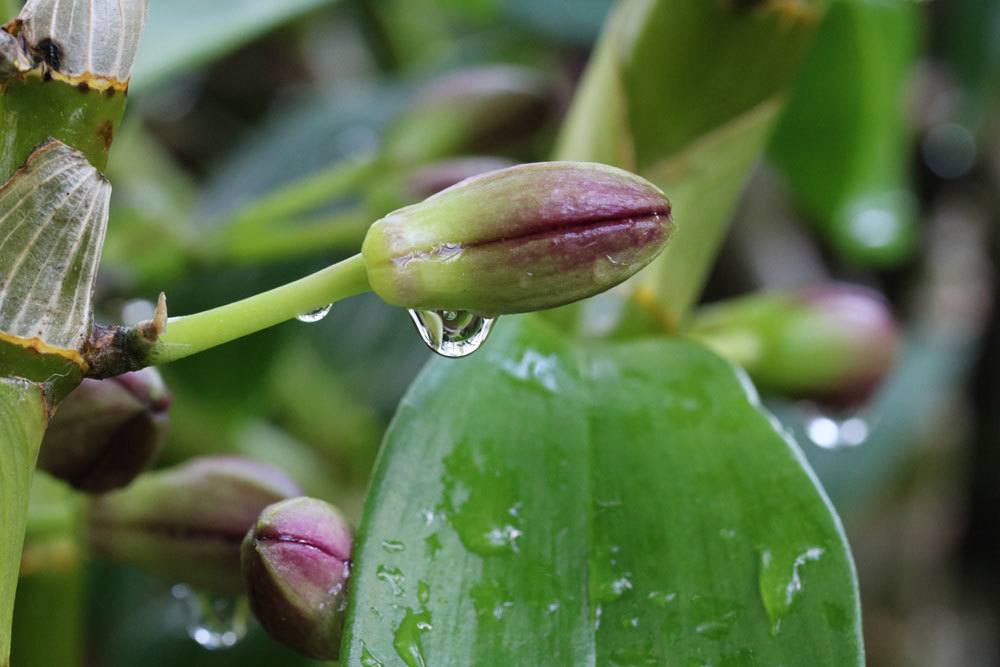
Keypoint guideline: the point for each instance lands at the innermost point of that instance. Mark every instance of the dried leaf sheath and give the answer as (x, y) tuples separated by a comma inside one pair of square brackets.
[(53, 217), (86, 40)]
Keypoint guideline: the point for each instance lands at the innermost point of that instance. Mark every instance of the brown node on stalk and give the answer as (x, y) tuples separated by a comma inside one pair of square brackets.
[(113, 350)]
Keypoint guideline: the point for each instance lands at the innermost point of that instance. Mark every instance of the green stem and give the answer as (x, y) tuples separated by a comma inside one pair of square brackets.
[(23, 415), (191, 334), (305, 194), (9, 9), (48, 625), (285, 240)]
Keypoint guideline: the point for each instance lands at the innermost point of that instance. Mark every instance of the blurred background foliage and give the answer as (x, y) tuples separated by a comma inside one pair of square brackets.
[(884, 170)]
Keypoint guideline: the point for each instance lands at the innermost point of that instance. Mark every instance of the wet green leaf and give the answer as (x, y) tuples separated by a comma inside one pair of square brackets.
[(547, 503)]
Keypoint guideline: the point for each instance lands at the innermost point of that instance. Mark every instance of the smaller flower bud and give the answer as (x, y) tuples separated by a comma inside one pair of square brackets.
[(186, 523), (525, 238), (296, 560), (471, 110), (833, 342), (106, 432)]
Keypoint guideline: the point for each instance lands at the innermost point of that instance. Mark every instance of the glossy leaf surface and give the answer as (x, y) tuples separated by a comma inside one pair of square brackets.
[(543, 503)]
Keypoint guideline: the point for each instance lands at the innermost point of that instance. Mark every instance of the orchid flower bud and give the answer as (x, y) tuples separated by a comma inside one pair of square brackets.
[(296, 561), (525, 238), (106, 432), (186, 523), (471, 110), (834, 342)]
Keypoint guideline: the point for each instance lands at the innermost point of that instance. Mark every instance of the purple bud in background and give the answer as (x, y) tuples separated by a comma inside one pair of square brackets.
[(834, 342), (296, 562), (186, 523), (106, 432), (525, 238)]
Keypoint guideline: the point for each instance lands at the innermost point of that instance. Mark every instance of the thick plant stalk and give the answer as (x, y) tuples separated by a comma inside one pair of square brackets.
[(23, 414), (64, 72)]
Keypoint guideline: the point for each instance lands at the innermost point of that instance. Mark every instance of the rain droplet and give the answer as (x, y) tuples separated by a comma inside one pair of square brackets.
[(415, 623), (491, 600), (315, 315), (392, 576), (452, 333), (393, 546), (213, 621), (780, 581), (368, 659)]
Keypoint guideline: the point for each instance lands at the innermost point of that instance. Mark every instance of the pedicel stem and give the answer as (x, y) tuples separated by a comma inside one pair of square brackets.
[(191, 334)]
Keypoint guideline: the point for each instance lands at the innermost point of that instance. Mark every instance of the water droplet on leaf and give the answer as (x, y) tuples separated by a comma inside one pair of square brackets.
[(392, 576), (393, 546), (414, 624), (315, 315), (213, 621), (368, 659), (780, 580), (452, 333)]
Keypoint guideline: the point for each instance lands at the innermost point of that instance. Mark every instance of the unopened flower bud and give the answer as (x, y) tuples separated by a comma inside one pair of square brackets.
[(186, 523), (525, 238), (834, 342), (470, 111), (296, 561), (106, 432)]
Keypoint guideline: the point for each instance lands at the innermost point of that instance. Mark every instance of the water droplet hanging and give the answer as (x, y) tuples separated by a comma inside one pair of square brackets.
[(452, 333)]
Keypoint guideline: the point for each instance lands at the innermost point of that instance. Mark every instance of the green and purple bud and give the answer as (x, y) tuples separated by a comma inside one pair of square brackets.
[(186, 523), (106, 432), (472, 110), (832, 342), (296, 561), (525, 238)]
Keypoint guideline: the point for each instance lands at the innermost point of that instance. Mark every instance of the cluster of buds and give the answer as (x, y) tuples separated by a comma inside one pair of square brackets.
[(230, 525)]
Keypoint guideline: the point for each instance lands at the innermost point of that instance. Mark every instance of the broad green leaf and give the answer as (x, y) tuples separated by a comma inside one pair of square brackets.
[(23, 414), (547, 503), (182, 34), (842, 142), (678, 81), (53, 216)]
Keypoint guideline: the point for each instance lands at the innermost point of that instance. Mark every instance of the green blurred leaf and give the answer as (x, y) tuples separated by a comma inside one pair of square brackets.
[(843, 142), (182, 34), (543, 503), (674, 82)]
